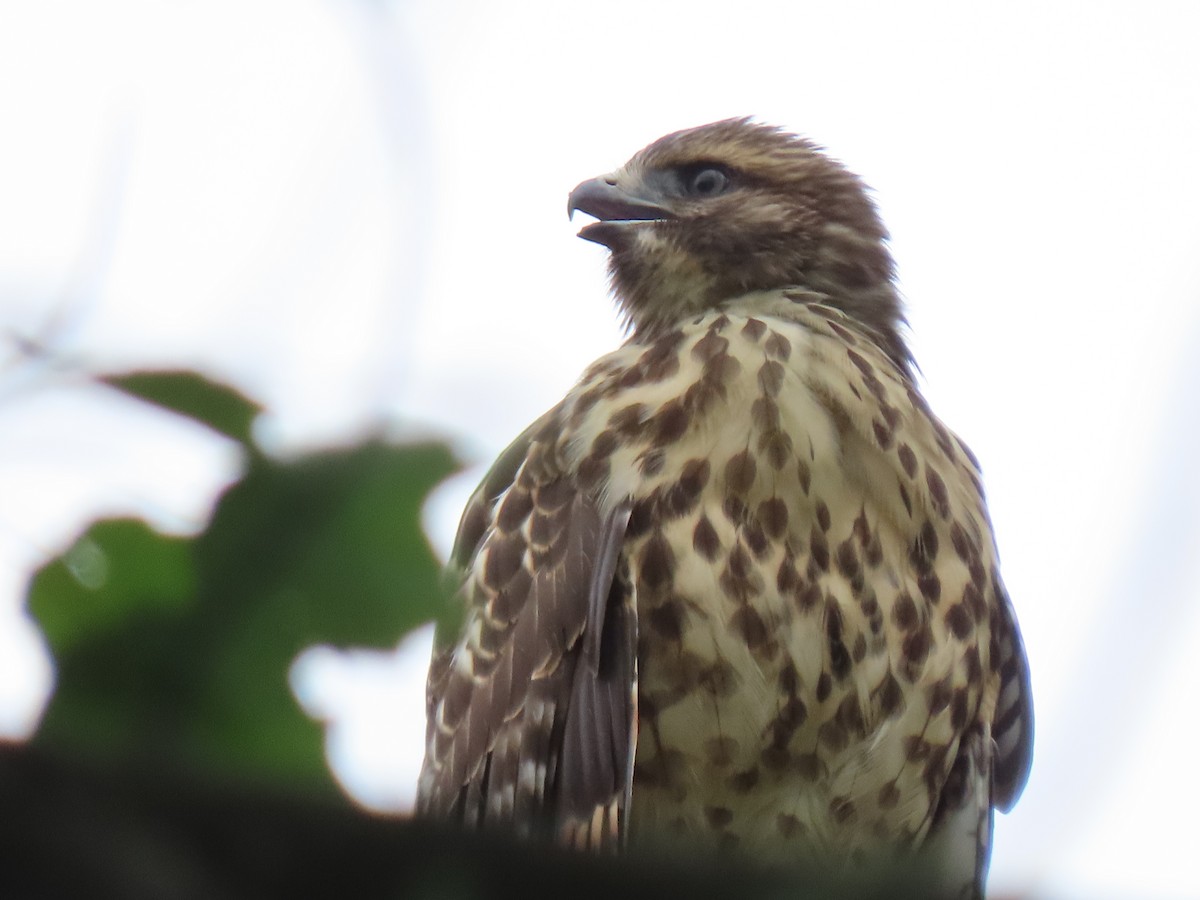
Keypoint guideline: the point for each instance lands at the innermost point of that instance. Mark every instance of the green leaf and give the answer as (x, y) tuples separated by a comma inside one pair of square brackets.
[(335, 540), (120, 569), (178, 650), (218, 406)]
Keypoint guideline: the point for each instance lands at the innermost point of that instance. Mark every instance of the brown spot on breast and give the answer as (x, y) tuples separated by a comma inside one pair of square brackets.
[(959, 621), (916, 748), (705, 540), (973, 600), (778, 346), (904, 612), (628, 420), (862, 528), (651, 462), (849, 715), (657, 562), (754, 329), (861, 364), (833, 736), (749, 626), (719, 679), (889, 696), (938, 695), (859, 652), (586, 401), (819, 549), (807, 595), (662, 352), (667, 618), (709, 346), (630, 378), (734, 509), (942, 437), (938, 492), (804, 475), (791, 716), (770, 377), (671, 422), (843, 333), (740, 472), (849, 566), (745, 781), (908, 459), (823, 518), (842, 809), (702, 394), (808, 766), (931, 586), (974, 667), (874, 552), (684, 495), (773, 514), (789, 678), (870, 608), (959, 710), (605, 443), (755, 537), (764, 413), (839, 657), (883, 434), (787, 577), (824, 686), (916, 650), (963, 545), (593, 470), (642, 516), (777, 446), (906, 500), (740, 579)]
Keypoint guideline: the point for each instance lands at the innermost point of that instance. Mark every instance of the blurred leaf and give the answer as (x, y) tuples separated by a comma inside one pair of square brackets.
[(120, 568), (179, 649), (335, 539), (216, 405)]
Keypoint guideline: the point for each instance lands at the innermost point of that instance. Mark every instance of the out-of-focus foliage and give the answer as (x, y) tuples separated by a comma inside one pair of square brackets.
[(218, 406), (175, 651)]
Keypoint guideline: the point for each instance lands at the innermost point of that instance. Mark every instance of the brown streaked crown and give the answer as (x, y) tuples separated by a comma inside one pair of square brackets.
[(705, 215)]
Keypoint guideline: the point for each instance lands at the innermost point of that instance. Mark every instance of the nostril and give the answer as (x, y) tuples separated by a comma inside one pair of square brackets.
[(610, 181)]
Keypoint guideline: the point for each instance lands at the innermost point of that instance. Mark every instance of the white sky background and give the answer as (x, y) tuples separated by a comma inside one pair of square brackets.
[(356, 213)]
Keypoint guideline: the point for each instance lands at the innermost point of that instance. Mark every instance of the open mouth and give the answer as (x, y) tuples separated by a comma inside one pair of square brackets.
[(618, 213)]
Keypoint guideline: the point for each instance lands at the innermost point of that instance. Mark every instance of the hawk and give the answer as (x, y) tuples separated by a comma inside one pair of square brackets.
[(739, 589)]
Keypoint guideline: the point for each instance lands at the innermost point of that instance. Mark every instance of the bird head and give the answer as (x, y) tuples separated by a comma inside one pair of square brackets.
[(705, 215)]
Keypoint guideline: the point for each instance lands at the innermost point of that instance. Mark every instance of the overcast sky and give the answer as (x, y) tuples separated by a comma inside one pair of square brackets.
[(356, 213)]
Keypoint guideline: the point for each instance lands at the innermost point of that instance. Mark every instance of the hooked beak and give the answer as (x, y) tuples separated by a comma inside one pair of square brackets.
[(618, 211)]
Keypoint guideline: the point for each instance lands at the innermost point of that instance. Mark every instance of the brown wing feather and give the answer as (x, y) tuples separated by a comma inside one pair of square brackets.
[(531, 711)]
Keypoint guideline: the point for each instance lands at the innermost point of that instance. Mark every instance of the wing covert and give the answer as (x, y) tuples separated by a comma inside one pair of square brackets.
[(532, 710)]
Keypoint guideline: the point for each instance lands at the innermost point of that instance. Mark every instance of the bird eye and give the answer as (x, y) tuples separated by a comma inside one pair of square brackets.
[(705, 182)]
